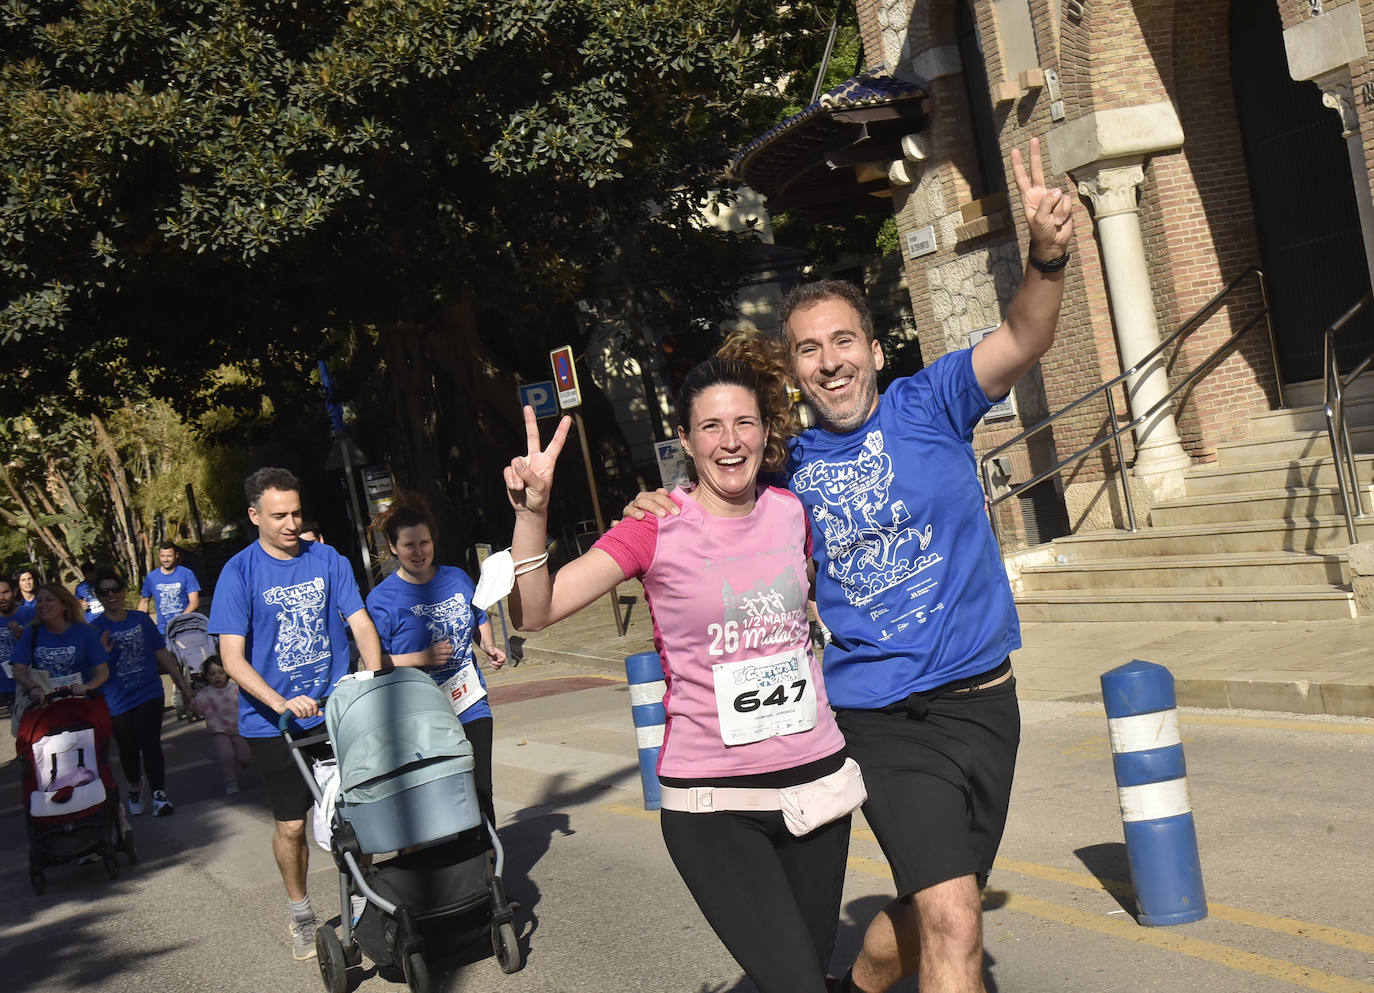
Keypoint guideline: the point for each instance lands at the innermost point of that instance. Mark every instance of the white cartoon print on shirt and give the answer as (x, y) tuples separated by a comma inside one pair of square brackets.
[(450, 620), (168, 595), (128, 656), (301, 637), (869, 545), (55, 660)]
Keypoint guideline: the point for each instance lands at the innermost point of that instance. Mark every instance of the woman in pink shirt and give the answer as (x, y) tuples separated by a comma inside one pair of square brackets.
[(749, 728)]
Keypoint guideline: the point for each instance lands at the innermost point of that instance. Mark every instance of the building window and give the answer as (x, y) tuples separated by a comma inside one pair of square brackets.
[(990, 178)]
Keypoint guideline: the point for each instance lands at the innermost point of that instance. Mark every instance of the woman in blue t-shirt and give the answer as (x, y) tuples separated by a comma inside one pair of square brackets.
[(134, 693), (60, 643), (425, 617)]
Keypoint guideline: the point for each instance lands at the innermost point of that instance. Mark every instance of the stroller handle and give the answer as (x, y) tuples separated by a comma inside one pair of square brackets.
[(284, 718)]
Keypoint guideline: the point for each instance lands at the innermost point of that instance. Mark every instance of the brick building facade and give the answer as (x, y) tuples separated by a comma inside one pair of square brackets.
[(1202, 139)]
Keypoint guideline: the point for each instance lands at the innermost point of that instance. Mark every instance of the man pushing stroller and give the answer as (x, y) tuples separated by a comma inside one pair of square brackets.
[(279, 611)]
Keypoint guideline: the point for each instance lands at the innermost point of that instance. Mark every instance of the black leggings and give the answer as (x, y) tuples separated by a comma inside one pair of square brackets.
[(138, 735), (479, 733), (771, 897)]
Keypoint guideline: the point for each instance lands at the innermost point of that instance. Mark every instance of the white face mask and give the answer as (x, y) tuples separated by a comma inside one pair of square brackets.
[(498, 577), (496, 580)]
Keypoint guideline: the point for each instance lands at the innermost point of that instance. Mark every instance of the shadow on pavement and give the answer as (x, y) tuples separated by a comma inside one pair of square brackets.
[(1111, 865), (527, 839)]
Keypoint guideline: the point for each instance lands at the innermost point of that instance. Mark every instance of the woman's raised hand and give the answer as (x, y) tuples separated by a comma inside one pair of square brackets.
[(530, 477)]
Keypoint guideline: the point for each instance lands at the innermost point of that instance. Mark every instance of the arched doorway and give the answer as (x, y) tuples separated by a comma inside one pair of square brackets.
[(1304, 198)]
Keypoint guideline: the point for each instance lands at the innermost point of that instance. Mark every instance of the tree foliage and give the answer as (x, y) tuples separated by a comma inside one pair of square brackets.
[(431, 183), (93, 487)]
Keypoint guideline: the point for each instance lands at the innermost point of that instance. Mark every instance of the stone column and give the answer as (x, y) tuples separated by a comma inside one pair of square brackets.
[(1113, 189), (1337, 95)]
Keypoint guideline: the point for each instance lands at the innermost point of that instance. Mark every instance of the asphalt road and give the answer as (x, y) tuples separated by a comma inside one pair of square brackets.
[(1281, 806)]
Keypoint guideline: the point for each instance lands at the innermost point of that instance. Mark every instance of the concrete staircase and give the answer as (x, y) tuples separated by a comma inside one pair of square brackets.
[(1259, 535)]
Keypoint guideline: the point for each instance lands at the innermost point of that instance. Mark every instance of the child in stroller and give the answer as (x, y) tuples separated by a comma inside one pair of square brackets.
[(405, 786), (71, 802)]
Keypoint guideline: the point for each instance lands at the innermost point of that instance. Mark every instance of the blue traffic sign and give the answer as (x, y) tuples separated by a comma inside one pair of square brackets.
[(541, 397)]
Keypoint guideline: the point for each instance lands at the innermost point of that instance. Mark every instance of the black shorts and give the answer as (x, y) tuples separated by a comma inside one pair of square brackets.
[(939, 786), (287, 791)]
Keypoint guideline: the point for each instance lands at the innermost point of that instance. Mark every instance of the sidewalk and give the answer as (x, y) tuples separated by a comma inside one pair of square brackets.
[(1305, 667)]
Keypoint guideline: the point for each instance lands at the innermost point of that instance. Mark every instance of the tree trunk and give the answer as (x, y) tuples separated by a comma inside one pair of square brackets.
[(120, 501), (44, 534)]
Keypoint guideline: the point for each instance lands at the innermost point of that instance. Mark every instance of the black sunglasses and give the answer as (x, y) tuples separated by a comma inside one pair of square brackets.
[(107, 590)]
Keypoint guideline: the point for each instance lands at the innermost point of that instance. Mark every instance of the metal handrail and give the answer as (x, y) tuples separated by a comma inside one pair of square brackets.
[(1114, 438), (1333, 406)]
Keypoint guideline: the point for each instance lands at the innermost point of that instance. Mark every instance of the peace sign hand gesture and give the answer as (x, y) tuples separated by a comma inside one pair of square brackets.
[(1049, 213), (529, 478)]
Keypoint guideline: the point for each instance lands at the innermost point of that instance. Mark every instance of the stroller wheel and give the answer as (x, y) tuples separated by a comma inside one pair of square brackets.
[(416, 973), (39, 881), (507, 948), (111, 866), (330, 953)]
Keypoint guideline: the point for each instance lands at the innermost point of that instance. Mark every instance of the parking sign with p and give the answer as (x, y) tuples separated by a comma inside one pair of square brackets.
[(541, 397)]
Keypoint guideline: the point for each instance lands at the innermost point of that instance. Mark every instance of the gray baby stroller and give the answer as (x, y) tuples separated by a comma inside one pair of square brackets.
[(191, 643), (405, 786)]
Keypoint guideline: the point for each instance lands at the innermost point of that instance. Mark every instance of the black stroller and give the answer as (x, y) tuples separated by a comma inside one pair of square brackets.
[(405, 786)]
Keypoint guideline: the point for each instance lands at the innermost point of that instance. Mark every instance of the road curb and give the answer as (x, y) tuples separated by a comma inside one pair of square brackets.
[(1297, 696)]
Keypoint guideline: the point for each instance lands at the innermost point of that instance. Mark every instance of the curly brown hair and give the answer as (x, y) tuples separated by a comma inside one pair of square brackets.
[(768, 357)]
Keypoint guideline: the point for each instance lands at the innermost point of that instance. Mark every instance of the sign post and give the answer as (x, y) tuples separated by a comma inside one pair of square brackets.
[(569, 399)]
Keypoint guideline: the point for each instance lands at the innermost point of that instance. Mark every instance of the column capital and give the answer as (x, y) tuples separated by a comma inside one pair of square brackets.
[(1341, 98), (1111, 188)]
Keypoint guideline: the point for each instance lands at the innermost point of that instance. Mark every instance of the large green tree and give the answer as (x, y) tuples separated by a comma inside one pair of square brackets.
[(427, 186)]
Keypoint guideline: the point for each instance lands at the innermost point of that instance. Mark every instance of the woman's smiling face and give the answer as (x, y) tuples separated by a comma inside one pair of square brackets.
[(726, 442)]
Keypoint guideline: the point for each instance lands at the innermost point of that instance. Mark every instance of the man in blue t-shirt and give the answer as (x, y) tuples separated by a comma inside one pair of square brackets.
[(279, 609), (911, 584), (171, 588)]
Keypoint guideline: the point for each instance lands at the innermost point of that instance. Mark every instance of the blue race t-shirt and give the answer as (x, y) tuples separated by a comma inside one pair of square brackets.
[(411, 617), (134, 674), (288, 611), (909, 577), (170, 592), (76, 651), (22, 616), (85, 592)]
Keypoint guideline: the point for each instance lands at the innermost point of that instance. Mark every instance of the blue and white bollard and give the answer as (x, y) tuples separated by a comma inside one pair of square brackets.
[(1152, 784), (644, 670)]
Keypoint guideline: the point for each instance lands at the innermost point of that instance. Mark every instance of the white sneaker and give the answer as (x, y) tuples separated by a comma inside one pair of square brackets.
[(161, 805), (136, 800)]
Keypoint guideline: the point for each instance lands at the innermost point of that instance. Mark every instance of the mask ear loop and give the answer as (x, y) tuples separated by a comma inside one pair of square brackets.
[(530, 564)]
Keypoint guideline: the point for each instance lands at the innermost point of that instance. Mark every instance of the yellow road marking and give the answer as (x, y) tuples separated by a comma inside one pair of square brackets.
[(1232, 958), (521, 677), (1270, 724), (1236, 915), (625, 810)]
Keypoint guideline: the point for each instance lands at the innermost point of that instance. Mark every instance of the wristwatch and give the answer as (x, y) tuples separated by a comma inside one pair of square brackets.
[(1053, 265)]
